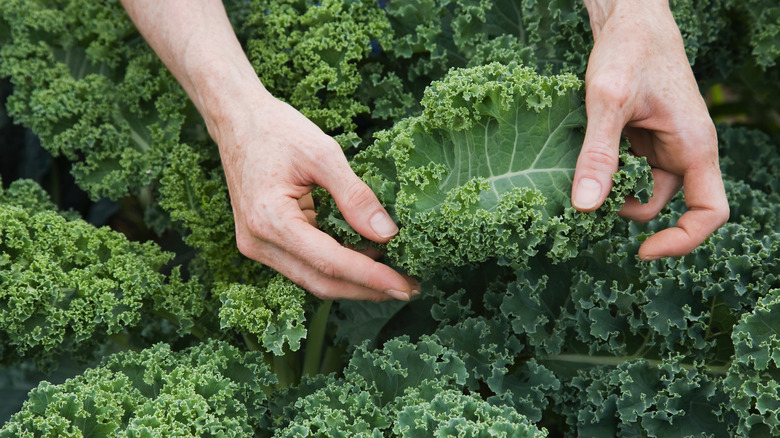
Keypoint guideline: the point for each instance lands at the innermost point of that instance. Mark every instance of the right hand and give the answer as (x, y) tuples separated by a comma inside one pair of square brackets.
[(639, 82), (273, 157)]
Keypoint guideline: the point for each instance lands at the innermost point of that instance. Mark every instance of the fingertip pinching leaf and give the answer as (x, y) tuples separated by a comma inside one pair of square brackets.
[(486, 171)]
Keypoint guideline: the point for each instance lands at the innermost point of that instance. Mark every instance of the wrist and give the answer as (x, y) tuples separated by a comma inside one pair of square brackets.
[(225, 91), (223, 85), (600, 12)]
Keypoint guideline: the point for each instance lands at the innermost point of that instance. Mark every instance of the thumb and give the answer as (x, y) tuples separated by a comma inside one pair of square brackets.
[(597, 161), (357, 202)]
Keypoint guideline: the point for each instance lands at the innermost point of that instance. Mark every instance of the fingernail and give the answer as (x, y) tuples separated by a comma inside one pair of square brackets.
[(587, 194), (649, 258), (382, 224), (414, 292), (397, 294)]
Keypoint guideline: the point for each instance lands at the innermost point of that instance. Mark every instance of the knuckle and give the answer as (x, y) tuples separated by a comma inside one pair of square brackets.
[(255, 226), (722, 213), (264, 218), (245, 245), (700, 134), (324, 266), (599, 156), (358, 196), (252, 248), (608, 91), (253, 232), (325, 152)]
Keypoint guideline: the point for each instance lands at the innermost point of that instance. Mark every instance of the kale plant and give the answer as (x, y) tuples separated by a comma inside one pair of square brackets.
[(465, 117)]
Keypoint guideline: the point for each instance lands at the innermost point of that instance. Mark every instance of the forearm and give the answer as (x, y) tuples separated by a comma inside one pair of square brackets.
[(601, 11), (196, 42)]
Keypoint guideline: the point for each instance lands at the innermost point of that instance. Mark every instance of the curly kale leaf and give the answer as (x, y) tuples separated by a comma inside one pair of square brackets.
[(609, 319), (751, 156), (485, 172), (320, 59), (752, 378), (273, 312), (452, 413), (701, 24), (87, 84), (195, 202), (404, 389), (608, 304), (66, 285), (433, 36), (640, 398), (551, 36), (764, 28), (621, 347), (343, 61), (748, 57), (490, 351), (29, 195), (209, 390)]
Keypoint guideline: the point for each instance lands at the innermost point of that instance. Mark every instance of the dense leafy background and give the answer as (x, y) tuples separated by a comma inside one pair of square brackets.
[(125, 304)]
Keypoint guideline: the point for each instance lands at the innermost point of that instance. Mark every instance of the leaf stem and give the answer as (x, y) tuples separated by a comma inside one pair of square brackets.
[(332, 361), (251, 342), (619, 360), (644, 347), (285, 369), (316, 339)]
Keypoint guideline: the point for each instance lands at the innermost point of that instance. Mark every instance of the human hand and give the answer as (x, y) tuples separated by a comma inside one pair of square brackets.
[(639, 78), (273, 157)]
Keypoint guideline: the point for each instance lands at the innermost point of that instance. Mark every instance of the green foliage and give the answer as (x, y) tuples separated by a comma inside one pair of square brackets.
[(465, 117), (764, 31), (638, 398), (210, 390), (249, 297), (486, 170), (87, 84), (436, 35), (274, 313), (194, 199), (702, 25), (410, 389), (747, 63), (751, 156), (66, 285), (319, 59), (752, 379)]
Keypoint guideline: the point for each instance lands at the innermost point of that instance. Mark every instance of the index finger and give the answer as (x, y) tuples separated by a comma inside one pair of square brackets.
[(327, 257), (708, 209)]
